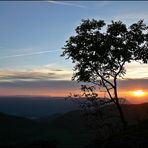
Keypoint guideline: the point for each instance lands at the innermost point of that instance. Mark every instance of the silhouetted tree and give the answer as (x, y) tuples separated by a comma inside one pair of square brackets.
[(97, 113), (100, 53)]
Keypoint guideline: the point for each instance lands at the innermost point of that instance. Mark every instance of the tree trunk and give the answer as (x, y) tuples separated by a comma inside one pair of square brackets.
[(122, 117)]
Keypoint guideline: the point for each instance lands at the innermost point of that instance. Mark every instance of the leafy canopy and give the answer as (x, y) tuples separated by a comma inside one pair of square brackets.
[(102, 52)]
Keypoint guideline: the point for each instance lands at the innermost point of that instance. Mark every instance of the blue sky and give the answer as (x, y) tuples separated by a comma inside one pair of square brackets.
[(33, 33), (30, 27)]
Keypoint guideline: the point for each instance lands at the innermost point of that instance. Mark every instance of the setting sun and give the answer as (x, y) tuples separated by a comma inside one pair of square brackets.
[(139, 93)]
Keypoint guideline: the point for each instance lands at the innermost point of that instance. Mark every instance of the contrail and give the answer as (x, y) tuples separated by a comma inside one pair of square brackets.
[(27, 54), (67, 4)]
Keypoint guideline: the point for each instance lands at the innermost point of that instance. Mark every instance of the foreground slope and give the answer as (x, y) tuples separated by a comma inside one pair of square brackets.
[(68, 130)]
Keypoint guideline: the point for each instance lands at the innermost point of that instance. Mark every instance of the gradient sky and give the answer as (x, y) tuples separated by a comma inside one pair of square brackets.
[(33, 33)]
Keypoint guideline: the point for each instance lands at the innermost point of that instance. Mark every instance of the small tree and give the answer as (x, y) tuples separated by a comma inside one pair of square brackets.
[(100, 57), (96, 112)]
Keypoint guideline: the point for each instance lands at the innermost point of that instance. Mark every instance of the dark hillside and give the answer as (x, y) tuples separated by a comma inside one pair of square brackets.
[(35, 107), (69, 130), (70, 120), (15, 129), (134, 113), (134, 137)]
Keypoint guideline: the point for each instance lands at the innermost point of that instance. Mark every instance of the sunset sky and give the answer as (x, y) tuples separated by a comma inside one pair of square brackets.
[(33, 33)]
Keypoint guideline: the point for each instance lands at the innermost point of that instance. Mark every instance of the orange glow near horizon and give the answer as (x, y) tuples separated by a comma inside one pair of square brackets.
[(133, 95), (139, 93), (35, 92)]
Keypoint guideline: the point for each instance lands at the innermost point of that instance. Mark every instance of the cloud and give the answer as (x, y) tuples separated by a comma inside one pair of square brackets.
[(42, 84), (25, 75), (64, 87), (136, 70), (46, 72), (90, 4), (39, 88), (57, 85), (67, 4), (130, 84), (41, 80), (27, 54)]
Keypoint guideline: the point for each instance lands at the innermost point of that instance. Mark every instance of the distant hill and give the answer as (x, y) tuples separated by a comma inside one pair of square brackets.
[(15, 129), (134, 113), (7, 120), (35, 107), (67, 129), (71, 120), (19, 132)]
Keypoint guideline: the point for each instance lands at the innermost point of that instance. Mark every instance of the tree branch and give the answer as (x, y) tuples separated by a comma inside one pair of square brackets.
[(100, 75), (108, 91)]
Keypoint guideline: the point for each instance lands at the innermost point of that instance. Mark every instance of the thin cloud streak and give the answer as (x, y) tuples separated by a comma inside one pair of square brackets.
[(27, 54), (67, 4), (34, 74)]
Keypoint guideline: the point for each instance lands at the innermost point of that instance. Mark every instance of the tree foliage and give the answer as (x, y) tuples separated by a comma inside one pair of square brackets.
[(101, 51)]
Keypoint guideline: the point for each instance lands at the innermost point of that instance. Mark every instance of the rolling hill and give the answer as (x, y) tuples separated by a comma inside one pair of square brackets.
[(68, 130)]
